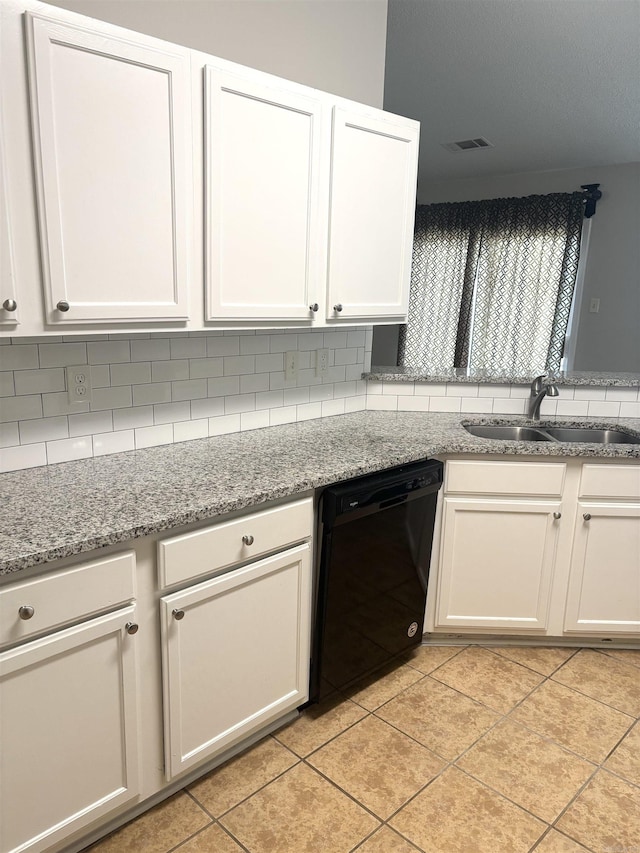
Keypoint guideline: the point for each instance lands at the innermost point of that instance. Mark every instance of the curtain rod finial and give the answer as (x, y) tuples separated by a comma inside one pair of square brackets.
[(591, 195)]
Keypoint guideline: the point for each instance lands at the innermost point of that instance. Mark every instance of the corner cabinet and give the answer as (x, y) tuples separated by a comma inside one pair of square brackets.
[(112, 150), (538, 548), (69, 704)]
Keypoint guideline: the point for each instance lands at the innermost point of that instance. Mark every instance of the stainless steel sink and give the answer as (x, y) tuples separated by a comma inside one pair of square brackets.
[(506, 433), (587, 435), (591, 435)]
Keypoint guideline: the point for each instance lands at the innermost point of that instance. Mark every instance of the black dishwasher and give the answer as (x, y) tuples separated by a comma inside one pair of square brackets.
[(376, 533)]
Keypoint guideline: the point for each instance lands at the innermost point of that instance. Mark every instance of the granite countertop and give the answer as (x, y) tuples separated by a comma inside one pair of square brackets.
[(74, 507), (406, 374)]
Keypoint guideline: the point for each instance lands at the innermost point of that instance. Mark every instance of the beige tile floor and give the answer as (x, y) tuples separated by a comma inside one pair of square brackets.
[(458, 750)]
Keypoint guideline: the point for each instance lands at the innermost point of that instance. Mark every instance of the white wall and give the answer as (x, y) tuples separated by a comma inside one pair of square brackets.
[(334, 45), (610, 339)]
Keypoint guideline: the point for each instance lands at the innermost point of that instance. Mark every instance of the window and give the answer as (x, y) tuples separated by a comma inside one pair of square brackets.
[(492, 284)]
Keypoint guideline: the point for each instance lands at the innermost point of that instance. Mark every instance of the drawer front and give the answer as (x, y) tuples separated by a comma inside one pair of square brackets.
[(505, 478), (610, 481), (215, 548), (66, 596)]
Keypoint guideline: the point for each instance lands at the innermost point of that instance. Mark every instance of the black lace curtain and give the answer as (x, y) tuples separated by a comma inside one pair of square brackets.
[(492, 283)]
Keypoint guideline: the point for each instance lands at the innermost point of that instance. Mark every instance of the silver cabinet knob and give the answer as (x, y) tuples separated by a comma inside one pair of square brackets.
[(587, 516), (178, 614), (247, 540), (131, 628), (9, 304), (557, 515), (63, 306), (337, 308), (314, 307), (26, 611)]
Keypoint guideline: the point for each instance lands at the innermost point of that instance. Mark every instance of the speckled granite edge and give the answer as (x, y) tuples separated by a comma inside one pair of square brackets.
[(76, 507), (592, 378)]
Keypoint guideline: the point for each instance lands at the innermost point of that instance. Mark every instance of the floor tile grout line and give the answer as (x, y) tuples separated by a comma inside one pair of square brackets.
[(524, 665), (607, 652), (613, 707)]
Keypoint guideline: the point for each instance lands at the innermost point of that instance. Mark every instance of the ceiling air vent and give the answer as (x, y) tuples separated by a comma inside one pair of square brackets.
[(468, 144)]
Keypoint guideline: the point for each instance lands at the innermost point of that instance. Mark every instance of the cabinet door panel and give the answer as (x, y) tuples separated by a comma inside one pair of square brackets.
[(497, 564), (68, 714), (604, 582), (238, 659), (373, 192), (111, 141), (264, 235)]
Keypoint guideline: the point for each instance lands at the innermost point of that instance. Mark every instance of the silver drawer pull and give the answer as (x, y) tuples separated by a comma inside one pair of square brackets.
[(248, 539), (337, 308), (314, 307), (178, 614), (557, 515), (10, 305), (63, 306), (587, 516), (131, 628), (26, 611)]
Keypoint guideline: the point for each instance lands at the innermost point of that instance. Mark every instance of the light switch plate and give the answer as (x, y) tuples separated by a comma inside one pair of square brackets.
[(290, 365), (322, 362)]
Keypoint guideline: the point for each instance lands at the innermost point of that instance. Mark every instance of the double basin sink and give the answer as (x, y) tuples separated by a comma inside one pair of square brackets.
[(587, 435)]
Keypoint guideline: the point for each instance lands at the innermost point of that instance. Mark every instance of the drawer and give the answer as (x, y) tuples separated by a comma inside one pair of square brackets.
[(66, 596), (505, 478), (215, 548), (610, 481)]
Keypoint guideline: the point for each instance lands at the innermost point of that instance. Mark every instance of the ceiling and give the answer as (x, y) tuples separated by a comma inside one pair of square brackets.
[(553, 84)]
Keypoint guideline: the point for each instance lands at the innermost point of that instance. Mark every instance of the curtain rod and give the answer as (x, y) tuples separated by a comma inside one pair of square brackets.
[(591, 195)]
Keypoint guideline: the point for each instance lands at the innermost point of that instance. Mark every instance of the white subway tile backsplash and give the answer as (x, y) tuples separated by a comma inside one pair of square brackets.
[(567, 408), (188, 389), (410, 403), (308, 411), (204, 368), (430, 389), (269, 399), (19, 357), (154, 349), (40, 381), (354, 404), (138, 416), (630, 410), (252, 382), (270, 363), (188, 347), (383, 403), (109, 352), (169, 413), (154, 436), (254, 345), (311, 341), (68, 449), (347, 356), (476, 405), (43, 429), (237, 403), (223, 346), (7, 386), (168, 371), (404, 388), (224, 386), (283, 415), (135, 373), (506, 406), (21, 408), (524, 391), (235, 365), (208, 407), (156, 392), (100, 375), (498, 391), (356, 338), (112, 398), (375, 387), (587, 393), (445, 404), (621, 395), (254, 420), (599, 408), (113, 442), (344, 389), (283, 343), (94, 422), (58, 404), (319, 393), (332, 407), (296, 396), (461, 389), (9, 435), (224, 424), (22, 456), (187, 430)]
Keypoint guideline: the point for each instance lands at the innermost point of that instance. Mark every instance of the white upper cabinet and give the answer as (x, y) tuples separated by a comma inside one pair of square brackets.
[(264, 226), (373, 195), (112, 151), (9, 314)]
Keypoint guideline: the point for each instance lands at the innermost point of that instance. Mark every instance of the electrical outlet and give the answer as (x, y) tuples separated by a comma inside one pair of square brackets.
[(290, 365), (79, 385), (322, 362), (594, 306)]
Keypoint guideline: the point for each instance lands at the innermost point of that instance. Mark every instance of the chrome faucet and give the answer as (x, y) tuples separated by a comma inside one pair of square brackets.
[(539, 390)]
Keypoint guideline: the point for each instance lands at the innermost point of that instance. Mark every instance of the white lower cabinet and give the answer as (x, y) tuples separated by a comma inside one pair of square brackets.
[(235, 655), (497, 563), (538, 548), (69, 731)]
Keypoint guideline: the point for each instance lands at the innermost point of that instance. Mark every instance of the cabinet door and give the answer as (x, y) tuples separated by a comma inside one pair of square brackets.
[(235, 655), (373, 195), (111, 127), (9, 315), (69, 731), (265, 242), (497, 562), (604, 581)]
